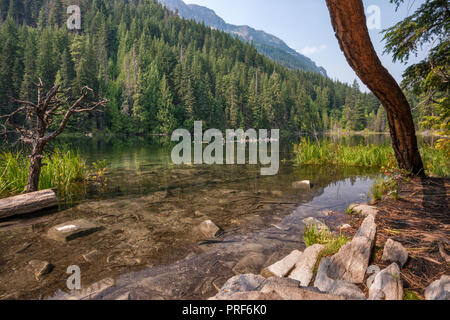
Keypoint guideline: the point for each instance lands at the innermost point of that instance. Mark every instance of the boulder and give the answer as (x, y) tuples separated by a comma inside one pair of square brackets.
[(288, 289), (372, 272), (240, 283), (39, 268), (72, 230), (284, 266), (303, 271), (387, 285), (209, 229), (336, 287), (311, 221), (439, 289), (252, 263), (364, 210), (351, 261), (305, 184), (395, 252), (250, 296)]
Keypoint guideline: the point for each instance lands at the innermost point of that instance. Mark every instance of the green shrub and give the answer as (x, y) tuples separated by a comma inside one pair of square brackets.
[(61, 171)]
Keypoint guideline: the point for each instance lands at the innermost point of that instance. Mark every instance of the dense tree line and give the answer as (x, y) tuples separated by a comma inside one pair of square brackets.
[(160, 72)]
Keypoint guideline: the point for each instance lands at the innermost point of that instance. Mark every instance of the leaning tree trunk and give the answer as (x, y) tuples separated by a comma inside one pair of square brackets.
[(349, 23)]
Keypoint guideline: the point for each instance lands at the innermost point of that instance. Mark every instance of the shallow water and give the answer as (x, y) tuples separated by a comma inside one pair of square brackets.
[(150, 210)]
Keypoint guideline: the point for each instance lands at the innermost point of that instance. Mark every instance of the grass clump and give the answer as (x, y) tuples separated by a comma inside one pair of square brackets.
[(436, 160), (338, 154), (321, 235), (61, 171), (410, 295)]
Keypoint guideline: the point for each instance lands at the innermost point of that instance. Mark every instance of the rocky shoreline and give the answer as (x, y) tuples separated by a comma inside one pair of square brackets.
[(339, 277)]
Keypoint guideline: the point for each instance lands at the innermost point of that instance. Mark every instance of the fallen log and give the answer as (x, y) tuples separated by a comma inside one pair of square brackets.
[(28, 203)]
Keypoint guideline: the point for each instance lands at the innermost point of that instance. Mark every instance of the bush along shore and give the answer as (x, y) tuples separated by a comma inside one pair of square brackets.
[(336, 267), (329, 153), (64, 171)]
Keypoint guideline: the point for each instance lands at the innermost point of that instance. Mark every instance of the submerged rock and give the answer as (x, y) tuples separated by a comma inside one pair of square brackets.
[(252, 263), (72, 230), (305, 184), (351, 261), (284, 266), (39, 268), (387, 285), (395, 252), (439, 289), (303, 271), (209, 229), (92, 256)]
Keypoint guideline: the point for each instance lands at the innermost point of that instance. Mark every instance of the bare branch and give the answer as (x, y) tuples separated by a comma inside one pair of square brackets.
[(22, 102)]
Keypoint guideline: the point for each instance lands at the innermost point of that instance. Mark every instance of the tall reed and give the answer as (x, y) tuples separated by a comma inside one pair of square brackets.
[(61, 171), (437, 162)]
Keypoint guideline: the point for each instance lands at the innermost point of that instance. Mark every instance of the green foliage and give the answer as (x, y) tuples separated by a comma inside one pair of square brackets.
[(332, 242), (429, 25), (328, 152), (124, 51), (410, 295), (436, 161), (61, 171), (318, 235)]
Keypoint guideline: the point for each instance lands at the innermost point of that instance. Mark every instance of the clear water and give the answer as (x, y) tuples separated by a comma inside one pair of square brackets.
[(151, 209)]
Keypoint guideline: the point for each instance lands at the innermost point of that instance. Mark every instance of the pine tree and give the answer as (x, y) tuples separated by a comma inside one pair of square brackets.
[(165, 117)]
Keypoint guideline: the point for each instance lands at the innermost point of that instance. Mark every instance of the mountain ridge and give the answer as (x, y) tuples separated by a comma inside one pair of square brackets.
[(267, 44)]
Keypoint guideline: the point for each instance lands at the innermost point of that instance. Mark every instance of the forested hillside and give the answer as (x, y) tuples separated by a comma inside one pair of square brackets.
[(160, 72)]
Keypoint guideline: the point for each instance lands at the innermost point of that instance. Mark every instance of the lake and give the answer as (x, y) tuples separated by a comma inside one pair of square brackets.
[(151, 209)]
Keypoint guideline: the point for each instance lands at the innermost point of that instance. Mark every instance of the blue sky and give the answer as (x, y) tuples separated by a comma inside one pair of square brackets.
[(305, 26)]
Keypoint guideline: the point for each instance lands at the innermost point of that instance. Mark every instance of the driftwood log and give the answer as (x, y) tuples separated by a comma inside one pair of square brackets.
[(28, 203)]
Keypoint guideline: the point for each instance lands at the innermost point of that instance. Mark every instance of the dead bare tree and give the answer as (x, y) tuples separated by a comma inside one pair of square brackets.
[(40, 117)]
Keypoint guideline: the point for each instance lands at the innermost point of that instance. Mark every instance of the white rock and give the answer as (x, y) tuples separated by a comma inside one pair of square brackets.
[(336, 287), (395, 252), (372, 271), (387, 285), (240, 283), (303, 271), (439, 289), (289, 289), (72, 230), (364, 210), (351, 261), (284, 266)]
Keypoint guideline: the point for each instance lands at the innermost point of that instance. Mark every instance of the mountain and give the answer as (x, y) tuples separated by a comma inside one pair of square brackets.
[(267, 44)]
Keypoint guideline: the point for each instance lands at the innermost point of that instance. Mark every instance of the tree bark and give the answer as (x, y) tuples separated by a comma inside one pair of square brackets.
[(35, 168), (349, 23)]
